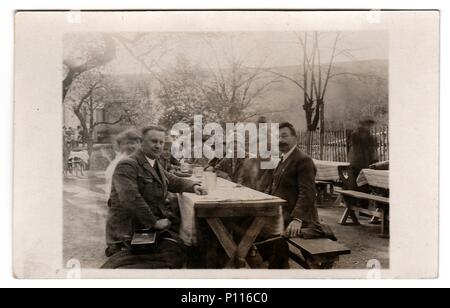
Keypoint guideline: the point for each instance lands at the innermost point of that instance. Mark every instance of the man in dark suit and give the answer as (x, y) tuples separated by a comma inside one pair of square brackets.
[(230, 166), (294, 181), (138, 202)]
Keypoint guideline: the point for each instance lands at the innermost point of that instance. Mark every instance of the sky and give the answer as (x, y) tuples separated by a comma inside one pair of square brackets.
[(268, 49)]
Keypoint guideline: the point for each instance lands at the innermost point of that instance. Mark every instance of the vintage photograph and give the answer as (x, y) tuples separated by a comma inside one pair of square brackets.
[(226, 150)]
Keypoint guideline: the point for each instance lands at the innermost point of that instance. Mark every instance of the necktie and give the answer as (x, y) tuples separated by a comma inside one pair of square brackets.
[(281, 161)]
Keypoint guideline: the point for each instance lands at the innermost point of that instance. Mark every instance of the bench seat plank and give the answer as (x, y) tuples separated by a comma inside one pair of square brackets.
[(361, 195), (319, 247)]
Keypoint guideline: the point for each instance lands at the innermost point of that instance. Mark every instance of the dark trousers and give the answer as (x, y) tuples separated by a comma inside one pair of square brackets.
[(353, 174), (166, 255), (276, 252)]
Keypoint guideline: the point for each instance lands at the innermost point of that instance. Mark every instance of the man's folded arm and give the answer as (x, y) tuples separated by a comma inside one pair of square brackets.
[(125, 181)]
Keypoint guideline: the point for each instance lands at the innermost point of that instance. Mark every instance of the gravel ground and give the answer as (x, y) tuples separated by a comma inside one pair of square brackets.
[(85, 213)]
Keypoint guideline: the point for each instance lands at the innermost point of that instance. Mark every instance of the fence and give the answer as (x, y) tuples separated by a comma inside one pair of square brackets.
[(335, 147)]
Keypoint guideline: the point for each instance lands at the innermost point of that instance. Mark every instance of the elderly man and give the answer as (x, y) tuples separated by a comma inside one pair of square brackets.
[(139, 190)]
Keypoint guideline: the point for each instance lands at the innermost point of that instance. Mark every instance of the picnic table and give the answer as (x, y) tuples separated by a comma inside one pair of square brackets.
[(82, 155), (230, 200), (328, 170), (374, 178), (327, 176), (378, 198)]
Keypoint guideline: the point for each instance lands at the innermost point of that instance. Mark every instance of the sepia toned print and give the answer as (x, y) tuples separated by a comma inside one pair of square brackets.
[(159, 115), (194, 144)]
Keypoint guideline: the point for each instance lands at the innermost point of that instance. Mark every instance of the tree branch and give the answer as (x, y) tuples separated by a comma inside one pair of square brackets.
[(108, 123)]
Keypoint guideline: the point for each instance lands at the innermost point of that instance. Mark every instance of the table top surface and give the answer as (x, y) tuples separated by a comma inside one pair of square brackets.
[(231, 194), (375, 178), (376, 172), (329, 163)]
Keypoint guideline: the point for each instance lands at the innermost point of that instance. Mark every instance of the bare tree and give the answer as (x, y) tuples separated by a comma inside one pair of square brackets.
[(146, 51), (316, 75), (86, 97), (83, 53), (233, 87)]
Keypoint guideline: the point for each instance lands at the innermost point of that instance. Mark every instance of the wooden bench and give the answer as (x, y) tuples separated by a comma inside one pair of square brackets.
[(381, 212), (316, 253), (326, 189)]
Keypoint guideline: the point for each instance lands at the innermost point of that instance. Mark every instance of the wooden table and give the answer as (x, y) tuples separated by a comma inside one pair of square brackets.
[(378, 181), (375, 178), (327, 176), (230, 200), (328, 170)]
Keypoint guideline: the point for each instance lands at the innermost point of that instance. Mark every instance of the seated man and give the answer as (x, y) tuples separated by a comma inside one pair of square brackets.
[(127, 143), (168, 161), (139, 190), (294, 181), (230, 168)]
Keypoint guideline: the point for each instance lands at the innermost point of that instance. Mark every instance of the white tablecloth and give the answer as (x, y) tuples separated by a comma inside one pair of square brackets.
[(225, 191), (375, 178), (328, 170), (83, 155)]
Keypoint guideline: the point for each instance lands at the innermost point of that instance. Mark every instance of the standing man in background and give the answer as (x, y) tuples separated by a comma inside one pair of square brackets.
[(362, 150)]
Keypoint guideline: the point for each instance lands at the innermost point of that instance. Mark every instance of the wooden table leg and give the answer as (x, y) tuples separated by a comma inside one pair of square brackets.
[(249, 237), (236, 253), (349, 212), (224, 237), (384, 224), (338, 200)]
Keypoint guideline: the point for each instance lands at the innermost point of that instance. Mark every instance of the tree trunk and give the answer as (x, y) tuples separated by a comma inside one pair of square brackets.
[(322, 129), (86, 133), (90, 149), (309, 113)]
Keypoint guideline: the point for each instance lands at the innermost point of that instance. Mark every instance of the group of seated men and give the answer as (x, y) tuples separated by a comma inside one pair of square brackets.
[(141, 182)]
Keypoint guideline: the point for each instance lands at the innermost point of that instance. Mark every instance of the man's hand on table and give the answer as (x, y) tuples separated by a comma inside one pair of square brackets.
[(199, 190), (162, 224), (294, 229)]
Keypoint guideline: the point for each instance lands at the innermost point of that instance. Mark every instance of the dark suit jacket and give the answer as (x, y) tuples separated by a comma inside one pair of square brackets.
[(294, 181), (226, 165), (362, 149), (138, 196)]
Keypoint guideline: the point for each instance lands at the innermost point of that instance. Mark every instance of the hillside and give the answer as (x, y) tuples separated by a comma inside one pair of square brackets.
[(348, 97)]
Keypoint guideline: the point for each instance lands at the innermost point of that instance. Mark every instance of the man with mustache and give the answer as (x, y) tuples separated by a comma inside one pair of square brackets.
[(139, 190), (294, 181)]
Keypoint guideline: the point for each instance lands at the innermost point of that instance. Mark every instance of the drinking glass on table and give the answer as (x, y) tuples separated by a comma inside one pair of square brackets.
[(184, 167), (210, 181), (198, 172)]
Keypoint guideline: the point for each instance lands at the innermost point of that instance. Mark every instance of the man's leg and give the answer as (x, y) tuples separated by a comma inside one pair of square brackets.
[(276, 252), (167, 254)]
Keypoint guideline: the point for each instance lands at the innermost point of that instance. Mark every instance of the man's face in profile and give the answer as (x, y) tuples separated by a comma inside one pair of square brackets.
[(153, 143)]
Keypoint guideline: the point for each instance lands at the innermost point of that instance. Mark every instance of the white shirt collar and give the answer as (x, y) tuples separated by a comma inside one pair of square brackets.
[(150, 161), (285, 156)]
